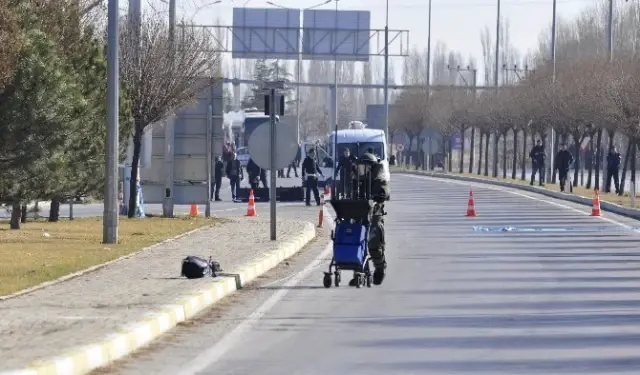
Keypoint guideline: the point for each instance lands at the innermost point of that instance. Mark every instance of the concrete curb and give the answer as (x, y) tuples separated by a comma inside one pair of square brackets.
[(606, 206), (85, 359), (99, 266)]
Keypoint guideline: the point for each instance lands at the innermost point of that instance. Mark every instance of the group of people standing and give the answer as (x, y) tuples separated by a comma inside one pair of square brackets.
[(563, 161), (228, 165)]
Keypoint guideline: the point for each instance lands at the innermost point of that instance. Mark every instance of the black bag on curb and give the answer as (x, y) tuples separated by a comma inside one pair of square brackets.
[(194, 267)]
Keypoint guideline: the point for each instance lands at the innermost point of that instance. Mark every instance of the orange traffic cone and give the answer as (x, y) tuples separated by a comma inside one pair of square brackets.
[(595, 211), (251, 209), (321, 213), (471, 206), (193, 212)]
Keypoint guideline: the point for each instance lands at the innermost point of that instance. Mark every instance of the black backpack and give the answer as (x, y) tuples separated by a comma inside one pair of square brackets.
[(194, 267)]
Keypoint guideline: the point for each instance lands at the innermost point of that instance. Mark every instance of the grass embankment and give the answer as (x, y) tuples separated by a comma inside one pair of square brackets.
[(43, 251), (624, 200)]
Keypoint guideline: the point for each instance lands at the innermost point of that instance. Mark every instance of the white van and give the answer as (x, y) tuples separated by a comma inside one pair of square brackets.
[(358, 141)]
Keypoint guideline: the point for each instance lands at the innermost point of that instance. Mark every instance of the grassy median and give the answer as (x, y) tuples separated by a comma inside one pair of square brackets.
[(624, 200), (43, 251)]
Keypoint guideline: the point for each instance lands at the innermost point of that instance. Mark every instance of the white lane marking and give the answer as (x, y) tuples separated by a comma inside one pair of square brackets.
[(506, 190), (214, 353)]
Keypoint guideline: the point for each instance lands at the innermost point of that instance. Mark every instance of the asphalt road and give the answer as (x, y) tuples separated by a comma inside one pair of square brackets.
[(564, 300)]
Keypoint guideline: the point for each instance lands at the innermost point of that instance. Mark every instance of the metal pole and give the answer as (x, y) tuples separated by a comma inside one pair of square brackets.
[(429, 51), (110, 219), (610, 30), (335, 70), (272, 167), (167, 208), (495, 81), (299, 73), (207, 209), (553, 79), (553, 41), (386, 75), (472, 147)]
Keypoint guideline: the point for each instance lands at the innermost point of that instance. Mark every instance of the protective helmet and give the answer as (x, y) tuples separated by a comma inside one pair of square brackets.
[(369, 158)]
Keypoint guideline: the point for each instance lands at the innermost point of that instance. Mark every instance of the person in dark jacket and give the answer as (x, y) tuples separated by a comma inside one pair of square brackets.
[(563, 161), (217, 180), (346, 168), (295, 163), (263, 178), (310, 171), (254, 174), (234, 174), (538, 157), (613, 170)]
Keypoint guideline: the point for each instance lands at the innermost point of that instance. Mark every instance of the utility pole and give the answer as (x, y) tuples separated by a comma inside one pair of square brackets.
[(473, 129), (335, 78), (553, 80), (167, 207), (610, 30), (497, 64), (474, 84), (110, 217), (429, 53), (496, 84), (386, 75)]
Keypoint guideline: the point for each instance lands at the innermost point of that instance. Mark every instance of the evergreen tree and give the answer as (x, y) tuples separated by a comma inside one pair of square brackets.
[(36, 107)]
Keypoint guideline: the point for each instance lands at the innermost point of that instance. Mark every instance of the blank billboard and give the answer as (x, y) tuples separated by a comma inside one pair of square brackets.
[(342, 35), (265, 33)]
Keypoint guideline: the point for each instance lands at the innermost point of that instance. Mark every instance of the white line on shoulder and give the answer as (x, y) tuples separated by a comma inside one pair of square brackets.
[(220, 348)]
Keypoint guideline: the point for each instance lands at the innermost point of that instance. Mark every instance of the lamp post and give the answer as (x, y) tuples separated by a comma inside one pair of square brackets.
[(110, 218), (386, 72), (299, 62)]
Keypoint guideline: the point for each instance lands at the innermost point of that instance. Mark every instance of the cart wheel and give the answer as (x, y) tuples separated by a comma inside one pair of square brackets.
[(327, 281), (369, 280), (358, 281), (337, 279)]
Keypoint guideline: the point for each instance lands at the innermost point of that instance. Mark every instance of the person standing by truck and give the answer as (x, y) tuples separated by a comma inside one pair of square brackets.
[(346, 167), (310, 171), (234, 174)]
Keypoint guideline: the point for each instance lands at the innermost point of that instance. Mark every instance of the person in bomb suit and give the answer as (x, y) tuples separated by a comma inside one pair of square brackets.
[(374, 187)]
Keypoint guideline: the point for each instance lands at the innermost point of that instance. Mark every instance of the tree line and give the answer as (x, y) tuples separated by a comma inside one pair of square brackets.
[(53, 75), (589, 101)]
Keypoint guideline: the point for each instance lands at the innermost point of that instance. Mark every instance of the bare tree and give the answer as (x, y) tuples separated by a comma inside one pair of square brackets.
[(162, 77)]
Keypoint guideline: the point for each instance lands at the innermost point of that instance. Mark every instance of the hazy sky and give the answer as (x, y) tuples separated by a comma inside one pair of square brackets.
[(457, 23)]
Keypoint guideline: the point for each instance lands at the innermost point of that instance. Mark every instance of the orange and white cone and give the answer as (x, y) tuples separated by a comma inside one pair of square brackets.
[(321, 213), (595, 211), (471, 206), (193, 212), (251, 209)]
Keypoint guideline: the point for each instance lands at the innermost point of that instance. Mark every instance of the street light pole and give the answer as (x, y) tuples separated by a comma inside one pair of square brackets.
[(610, 30), (495, 81), (110, 216), (429, 53), (299, 67), (335, 77), (553, 80), (386, 74)]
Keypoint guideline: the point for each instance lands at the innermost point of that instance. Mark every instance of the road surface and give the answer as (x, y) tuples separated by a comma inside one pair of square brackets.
[(455, 301)]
